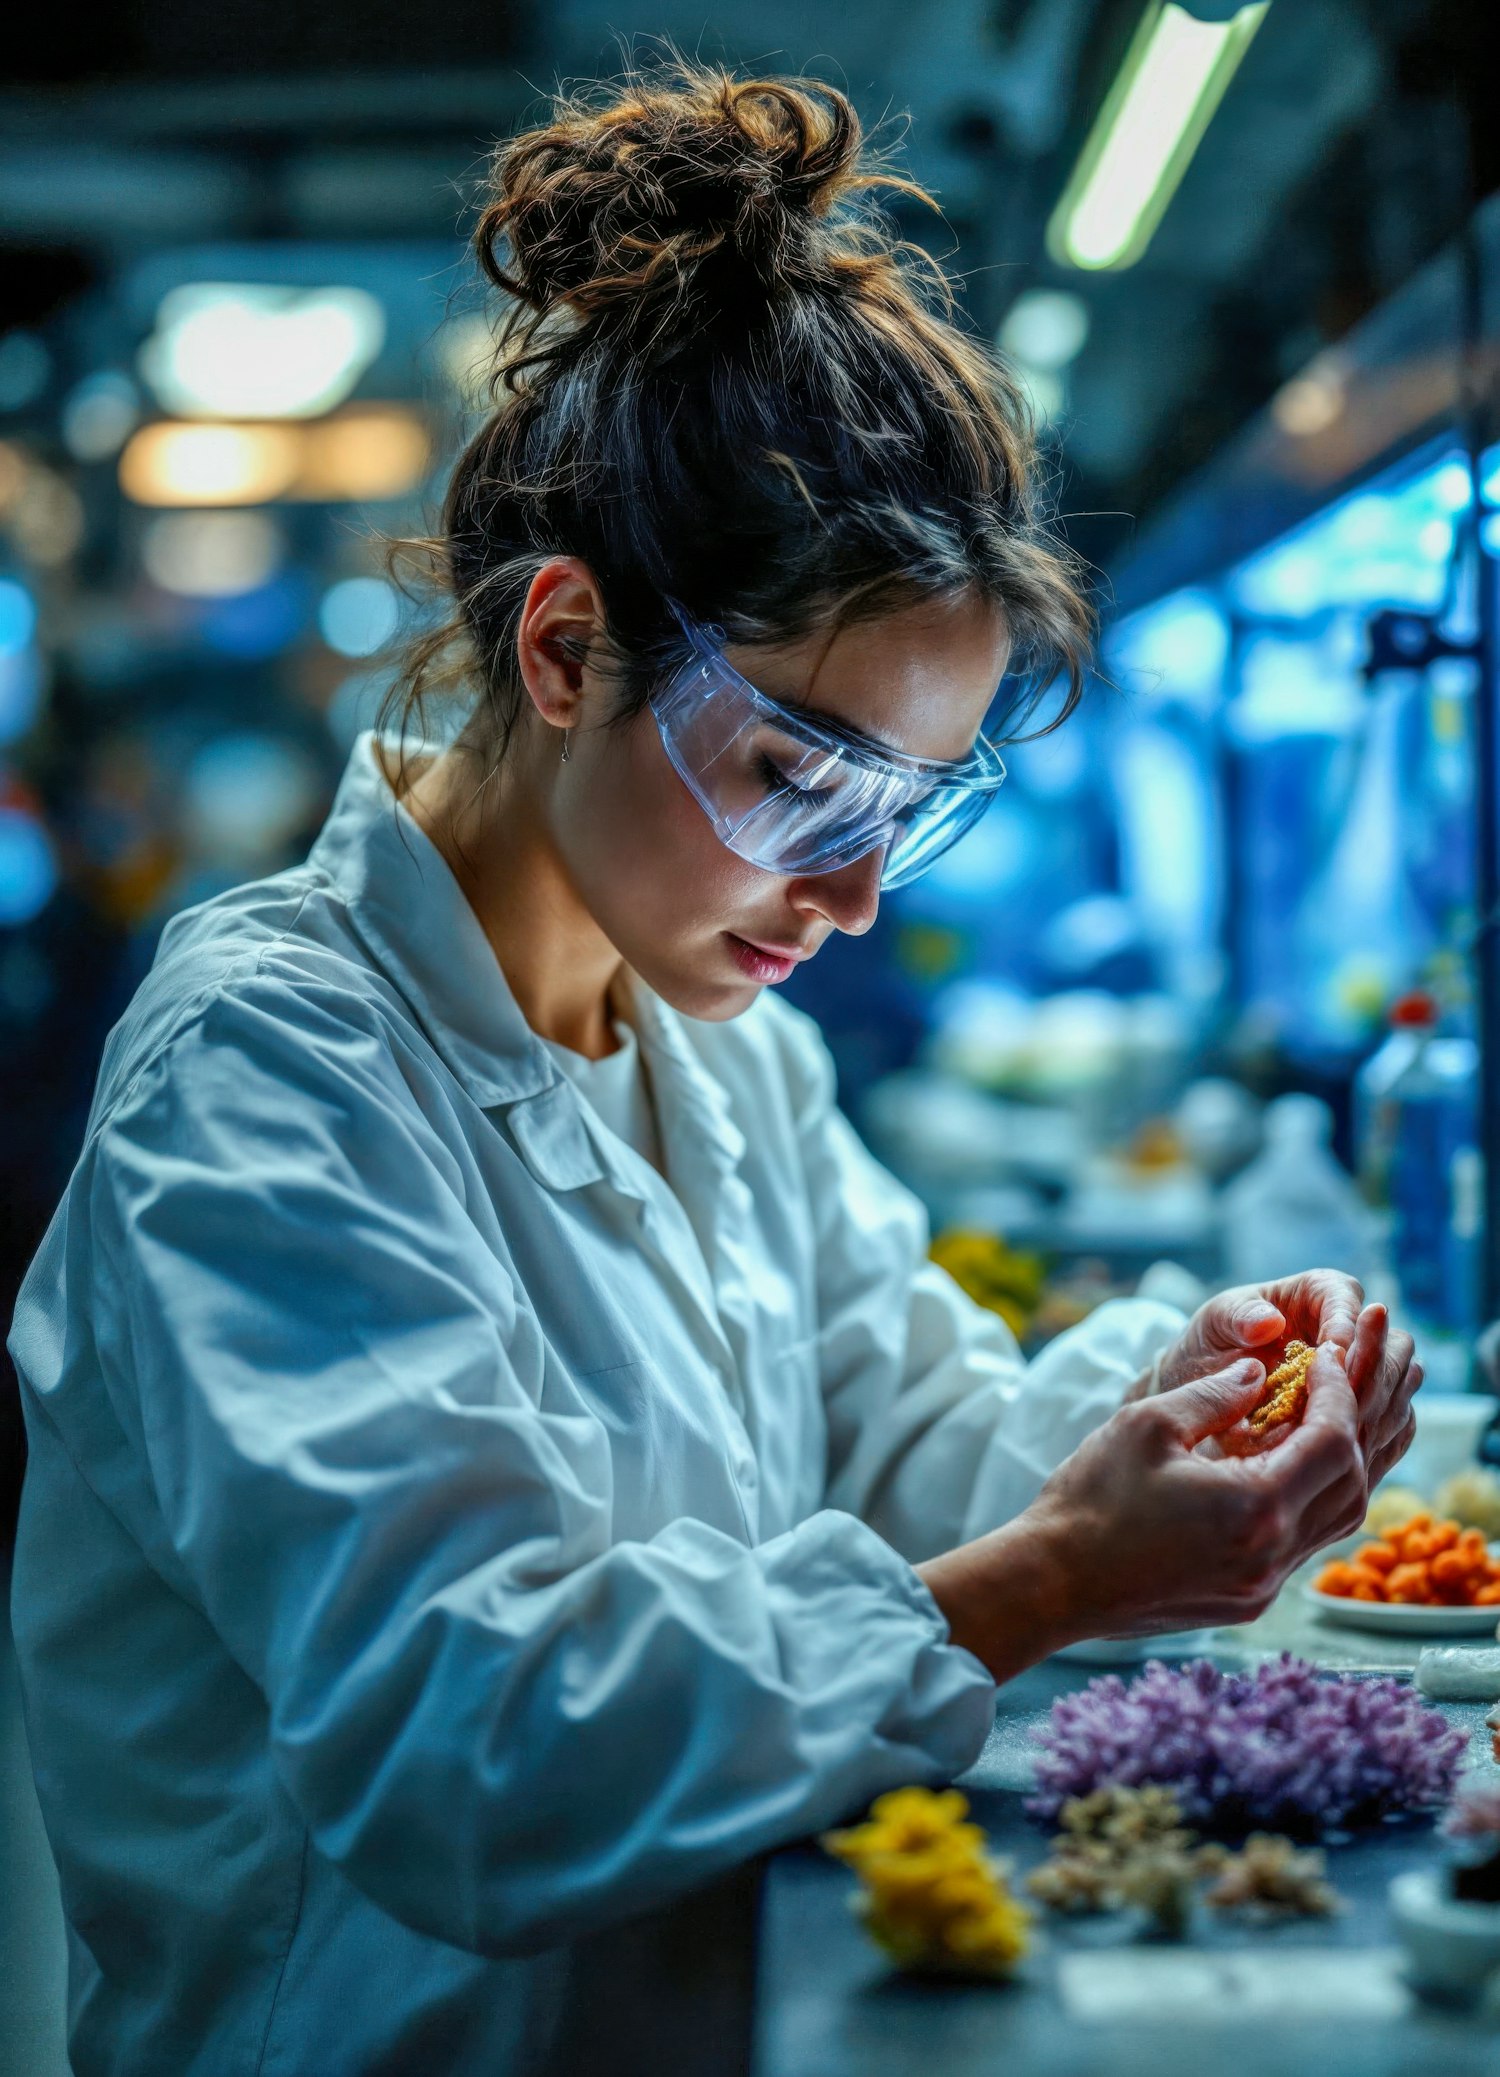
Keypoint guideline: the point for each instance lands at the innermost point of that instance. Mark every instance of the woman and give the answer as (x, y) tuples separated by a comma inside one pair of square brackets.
[(500, 1457)]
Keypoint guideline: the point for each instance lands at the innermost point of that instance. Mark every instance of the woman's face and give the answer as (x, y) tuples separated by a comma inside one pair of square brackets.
[(699, 924)]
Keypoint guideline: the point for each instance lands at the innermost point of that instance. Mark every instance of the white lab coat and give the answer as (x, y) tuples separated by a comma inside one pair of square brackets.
[(442, 1537)]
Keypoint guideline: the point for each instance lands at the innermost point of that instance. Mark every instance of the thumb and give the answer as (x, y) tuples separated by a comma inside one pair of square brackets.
[(1213, 1403)]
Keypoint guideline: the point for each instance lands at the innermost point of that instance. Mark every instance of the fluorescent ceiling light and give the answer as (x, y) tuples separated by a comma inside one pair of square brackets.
[(251, 350), (1172, 80)]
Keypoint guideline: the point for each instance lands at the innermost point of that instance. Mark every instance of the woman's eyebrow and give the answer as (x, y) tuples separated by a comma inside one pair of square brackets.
[(835, 723)]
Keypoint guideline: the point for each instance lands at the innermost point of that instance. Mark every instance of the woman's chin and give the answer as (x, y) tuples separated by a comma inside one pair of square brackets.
[(711, 999)]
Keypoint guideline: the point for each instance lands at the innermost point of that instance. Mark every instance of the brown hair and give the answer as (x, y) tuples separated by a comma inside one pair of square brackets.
[(720, 378)]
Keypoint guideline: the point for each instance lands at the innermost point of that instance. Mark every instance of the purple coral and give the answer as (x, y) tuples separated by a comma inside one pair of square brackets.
[(1282, 1746)]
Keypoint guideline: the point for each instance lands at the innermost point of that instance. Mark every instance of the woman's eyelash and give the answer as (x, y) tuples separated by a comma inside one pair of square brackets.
[(777, 779)]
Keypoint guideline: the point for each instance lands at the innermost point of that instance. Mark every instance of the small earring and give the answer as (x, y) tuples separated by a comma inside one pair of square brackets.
[(566, 733)]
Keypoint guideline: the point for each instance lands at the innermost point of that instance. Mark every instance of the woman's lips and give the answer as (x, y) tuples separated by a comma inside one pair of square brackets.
[(760, 962)]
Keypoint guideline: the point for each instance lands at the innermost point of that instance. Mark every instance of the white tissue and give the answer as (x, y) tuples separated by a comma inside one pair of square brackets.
[(1451, 1673)]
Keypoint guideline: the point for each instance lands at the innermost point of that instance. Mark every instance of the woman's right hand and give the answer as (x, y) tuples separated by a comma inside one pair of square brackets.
[(1140, 1531)]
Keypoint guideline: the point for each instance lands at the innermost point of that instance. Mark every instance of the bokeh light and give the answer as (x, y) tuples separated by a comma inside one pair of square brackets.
[(259, 350), (28, 867), (359, 615), (209, 555)]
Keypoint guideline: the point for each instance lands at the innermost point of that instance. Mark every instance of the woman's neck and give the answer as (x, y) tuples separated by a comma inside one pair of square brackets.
[(566, 976)]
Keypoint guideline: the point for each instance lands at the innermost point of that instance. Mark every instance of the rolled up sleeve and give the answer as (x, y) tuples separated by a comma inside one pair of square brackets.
[(503, 1725)]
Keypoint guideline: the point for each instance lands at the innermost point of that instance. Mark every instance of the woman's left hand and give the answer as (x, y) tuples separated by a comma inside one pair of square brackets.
[(1321, 1305)]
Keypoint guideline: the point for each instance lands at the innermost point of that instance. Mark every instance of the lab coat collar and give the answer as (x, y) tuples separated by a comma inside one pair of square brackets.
[(417, 923)]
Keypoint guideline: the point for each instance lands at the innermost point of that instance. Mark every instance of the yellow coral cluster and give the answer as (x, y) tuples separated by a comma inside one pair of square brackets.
[(1003, 1279), (1392, 1506), (1286, 1389), (931, 1895), (1472, 1498)]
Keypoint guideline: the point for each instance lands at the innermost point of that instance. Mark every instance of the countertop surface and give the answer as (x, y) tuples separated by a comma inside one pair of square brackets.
[(1092, 2000)]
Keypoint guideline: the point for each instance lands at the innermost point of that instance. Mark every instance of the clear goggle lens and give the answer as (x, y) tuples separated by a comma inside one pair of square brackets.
[(790, 795)]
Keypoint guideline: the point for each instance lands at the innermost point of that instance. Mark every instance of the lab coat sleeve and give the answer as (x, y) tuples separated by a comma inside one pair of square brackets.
[(938, 1427), (503, 1726)]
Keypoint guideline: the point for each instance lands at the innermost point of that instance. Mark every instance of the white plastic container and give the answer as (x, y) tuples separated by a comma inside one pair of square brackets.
[(1294, 1208), (1452, 1946)]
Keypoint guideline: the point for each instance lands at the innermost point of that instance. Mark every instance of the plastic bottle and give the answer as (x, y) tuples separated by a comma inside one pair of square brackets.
[(1293, 1208), (1416, 1111), (1413, 1021)]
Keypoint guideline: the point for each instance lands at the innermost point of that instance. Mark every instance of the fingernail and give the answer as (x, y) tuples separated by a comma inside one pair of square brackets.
[(1255, 1315)]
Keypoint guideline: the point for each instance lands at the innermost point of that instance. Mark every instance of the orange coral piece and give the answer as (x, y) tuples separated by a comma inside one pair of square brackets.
[(1421, 1562), (1407, 1583)]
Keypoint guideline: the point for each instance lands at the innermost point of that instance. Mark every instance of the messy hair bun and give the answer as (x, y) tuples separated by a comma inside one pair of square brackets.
[(721, 378), (631, 208)]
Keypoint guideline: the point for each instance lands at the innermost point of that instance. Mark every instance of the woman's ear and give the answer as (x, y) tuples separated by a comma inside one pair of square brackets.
[(560, 617)]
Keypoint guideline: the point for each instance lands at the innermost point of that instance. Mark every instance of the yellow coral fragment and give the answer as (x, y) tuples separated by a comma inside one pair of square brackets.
[(931, 1895), (1286, 1389), (1392, 1505), (1472, 1499)]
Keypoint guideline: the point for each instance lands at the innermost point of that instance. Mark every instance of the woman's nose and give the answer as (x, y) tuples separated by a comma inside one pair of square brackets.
[(849, 896)]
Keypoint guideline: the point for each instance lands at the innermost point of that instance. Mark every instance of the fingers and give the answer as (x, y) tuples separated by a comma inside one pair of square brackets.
[(1339, 1299), (1367, 1351), (1395, 1410), (1210, 1404), (1390, 1453), (1320, 1305)]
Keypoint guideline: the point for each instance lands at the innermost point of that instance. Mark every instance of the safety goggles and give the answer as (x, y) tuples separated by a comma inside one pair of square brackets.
[(794, 795)]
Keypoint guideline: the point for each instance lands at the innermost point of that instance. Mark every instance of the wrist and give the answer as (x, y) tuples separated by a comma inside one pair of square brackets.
[(1008, 1597)]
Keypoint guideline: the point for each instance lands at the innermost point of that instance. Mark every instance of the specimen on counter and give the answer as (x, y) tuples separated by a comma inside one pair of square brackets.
[(1163, 1883), (1284, 1745), (930, 1893), (1472, 1496), (1122, 1819), (1451, 1673), (1392, 1504), (1473, 1824), (1003, 1279), (1120, 1847), (1286, 1389), (1422, 1562), (1271, 1878)]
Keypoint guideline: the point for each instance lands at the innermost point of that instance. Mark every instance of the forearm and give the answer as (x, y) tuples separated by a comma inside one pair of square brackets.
[(1006, 1596)]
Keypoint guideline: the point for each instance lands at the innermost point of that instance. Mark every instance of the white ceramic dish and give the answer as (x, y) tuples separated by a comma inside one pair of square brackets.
[(1135, 1651), (1404, 1618)]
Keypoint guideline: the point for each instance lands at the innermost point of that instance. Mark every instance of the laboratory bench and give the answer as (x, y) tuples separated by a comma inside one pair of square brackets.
[(1320, 1996)]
